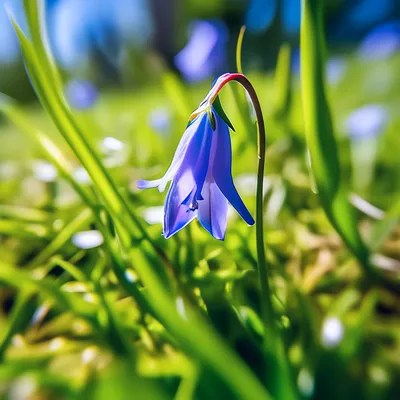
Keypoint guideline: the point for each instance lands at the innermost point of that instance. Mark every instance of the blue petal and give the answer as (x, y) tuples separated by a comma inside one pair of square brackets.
[(213, 210), (176, 214), (222, 169), (197, 124), (201, 157), (181, 201), (142, 184)]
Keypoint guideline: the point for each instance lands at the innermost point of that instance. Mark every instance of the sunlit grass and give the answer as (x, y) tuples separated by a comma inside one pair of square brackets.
[(181, 318)]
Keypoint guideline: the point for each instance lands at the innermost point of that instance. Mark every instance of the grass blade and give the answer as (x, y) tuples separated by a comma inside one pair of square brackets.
[(332, 189)]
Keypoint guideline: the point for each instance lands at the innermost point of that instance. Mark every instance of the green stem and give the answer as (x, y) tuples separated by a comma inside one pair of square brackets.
[(266, 295), (280, 379)]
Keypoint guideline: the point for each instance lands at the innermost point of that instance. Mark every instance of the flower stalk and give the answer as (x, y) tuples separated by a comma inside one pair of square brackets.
[(266, 304)]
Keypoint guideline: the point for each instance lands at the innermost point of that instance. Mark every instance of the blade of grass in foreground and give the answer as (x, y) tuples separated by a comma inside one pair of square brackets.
[(53, 153), (39, 64), (283, 82), (195, 334), (44, 77), (63, 300), (332, 190)]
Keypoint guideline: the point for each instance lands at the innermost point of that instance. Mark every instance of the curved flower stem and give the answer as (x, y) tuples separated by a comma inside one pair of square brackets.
[(281, 378), (266, 295)]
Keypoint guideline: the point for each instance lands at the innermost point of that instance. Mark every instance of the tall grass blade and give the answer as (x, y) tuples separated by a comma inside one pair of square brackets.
[(332, 189)]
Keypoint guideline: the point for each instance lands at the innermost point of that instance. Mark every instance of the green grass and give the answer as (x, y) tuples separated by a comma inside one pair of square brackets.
[(181, 318)]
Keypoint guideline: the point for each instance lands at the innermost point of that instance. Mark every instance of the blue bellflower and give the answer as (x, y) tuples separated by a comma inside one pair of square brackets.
[(201, 175), (261, 14), (81, 28), (81, 94), (367, 122), (205, 53), (382, 42)]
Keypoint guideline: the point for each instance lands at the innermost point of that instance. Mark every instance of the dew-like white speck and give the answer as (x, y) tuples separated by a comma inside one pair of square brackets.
[(22, 389), (88, 355), (378, 374), (305, 382), (110, 143), (44, 171), (87, 239), (56, 344), (58, 224), (332, 332), (130, 276), (180, 305), (154, 215), (74, 287), (89, 298), (81, 176), (8, 170), (39, 314), (18, 341)]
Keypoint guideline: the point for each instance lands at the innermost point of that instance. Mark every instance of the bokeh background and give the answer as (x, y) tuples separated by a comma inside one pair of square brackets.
[(133, 71), (142, 48), (120, 43)]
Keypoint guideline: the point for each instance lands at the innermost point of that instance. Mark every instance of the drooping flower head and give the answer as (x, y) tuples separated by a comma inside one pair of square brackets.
[(201, 175)]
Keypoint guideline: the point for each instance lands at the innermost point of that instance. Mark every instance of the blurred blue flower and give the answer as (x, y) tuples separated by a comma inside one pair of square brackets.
[(366, 13), (261, 13), (201, 178), (354, 18), (335, 69), (291, 10), (382, 42), (367, 122), (77, 28), (81, 94), (160, 120), (205, 53), (9, 46), (8, 41), (295, 61)]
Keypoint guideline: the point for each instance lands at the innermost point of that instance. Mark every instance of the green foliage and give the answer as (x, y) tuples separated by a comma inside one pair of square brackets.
[(332, 188), (145, 317)]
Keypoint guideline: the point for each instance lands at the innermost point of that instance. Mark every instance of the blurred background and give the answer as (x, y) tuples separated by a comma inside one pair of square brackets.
[(133, 71), (126, 43), (146, 64)]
